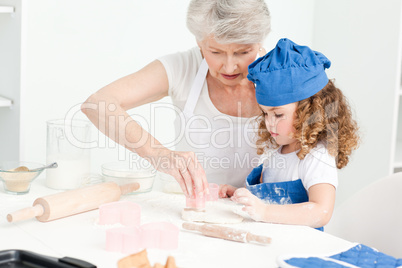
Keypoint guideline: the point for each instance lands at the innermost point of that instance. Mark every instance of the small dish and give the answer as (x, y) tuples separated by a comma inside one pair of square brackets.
[(19, 181), (124, 173)]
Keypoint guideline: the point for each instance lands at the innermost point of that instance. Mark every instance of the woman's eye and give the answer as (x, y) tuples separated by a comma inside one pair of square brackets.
[(215, 52), (241, 53), (278, 115)]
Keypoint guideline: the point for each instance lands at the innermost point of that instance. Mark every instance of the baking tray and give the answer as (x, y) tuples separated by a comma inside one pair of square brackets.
[(26, 259)]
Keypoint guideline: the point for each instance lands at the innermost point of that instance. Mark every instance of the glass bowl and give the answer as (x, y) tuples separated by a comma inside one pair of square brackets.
[(169, 184), (125, 173), (19, 181)]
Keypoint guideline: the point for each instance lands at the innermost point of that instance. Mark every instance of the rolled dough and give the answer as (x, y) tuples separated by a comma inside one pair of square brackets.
[(215, 212)]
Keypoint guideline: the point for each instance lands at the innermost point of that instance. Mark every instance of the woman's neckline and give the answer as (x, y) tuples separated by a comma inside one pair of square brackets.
[(206, 96)]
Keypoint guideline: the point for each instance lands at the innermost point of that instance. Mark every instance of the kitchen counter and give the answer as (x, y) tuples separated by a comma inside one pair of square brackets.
[(80, 236)]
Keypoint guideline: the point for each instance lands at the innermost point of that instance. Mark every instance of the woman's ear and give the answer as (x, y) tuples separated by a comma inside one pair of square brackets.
[(262, 52), (199, 43)]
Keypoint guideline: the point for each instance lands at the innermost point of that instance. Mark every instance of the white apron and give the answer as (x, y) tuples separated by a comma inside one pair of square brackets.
[(224, 145)]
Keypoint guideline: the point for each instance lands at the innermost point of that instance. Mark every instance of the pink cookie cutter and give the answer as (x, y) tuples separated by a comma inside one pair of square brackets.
[(198, 202), (213, 192), (124, 239), (124, 212), (162, 235)]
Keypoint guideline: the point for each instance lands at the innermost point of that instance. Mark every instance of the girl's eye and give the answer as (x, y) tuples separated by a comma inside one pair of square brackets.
[(278, 115), (215, 52)]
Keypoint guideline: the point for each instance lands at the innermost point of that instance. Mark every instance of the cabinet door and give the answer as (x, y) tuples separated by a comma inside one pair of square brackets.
[(10, 58)]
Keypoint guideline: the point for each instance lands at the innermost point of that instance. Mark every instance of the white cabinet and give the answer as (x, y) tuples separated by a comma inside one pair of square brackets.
[(4, 102), (10, 79), (396, 164), (4, 10), (396, 146)]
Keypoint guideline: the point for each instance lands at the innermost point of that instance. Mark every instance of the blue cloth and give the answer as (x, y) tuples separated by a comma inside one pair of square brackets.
[(286, 192), (360, 256), (314, 262), (288, 73)]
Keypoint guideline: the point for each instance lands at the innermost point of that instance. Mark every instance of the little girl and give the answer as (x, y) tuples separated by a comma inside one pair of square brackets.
[(308, 120)]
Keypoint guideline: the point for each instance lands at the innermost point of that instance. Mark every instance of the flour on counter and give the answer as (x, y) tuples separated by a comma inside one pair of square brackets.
[(105, 226), (215, 212)]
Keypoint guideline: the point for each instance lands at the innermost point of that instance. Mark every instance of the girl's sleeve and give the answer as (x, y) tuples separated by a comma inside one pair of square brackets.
[(318, 167)]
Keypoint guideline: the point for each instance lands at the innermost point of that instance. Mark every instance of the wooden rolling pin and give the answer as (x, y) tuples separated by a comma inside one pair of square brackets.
[(72, 202), (226, 233)]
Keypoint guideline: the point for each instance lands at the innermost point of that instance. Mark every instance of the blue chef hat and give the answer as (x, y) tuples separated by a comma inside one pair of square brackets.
[(288, 73)]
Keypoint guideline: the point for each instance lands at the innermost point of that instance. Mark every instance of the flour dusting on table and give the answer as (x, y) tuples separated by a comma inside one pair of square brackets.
[(215, 212)]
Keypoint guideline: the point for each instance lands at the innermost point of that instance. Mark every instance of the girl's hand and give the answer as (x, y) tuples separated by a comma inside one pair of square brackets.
[(254, 206), (185, 168), (226, 190)]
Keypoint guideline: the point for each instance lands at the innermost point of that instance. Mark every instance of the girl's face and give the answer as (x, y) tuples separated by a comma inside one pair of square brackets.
[(279, 122), (228, 62)]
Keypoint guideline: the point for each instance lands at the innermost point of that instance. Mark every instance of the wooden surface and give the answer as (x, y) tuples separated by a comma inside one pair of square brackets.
[(226, 233)]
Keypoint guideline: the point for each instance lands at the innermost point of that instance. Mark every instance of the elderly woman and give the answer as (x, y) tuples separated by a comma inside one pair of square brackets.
[(209, 85)]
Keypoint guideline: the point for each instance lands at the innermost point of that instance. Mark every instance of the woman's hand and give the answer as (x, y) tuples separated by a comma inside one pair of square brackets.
[(254, 206), (185, 168), (226, 190)]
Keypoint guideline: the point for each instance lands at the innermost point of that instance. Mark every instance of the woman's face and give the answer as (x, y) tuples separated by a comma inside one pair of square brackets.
[(228, 62)]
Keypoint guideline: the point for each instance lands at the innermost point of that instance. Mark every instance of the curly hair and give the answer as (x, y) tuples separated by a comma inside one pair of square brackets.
[(325, 116)]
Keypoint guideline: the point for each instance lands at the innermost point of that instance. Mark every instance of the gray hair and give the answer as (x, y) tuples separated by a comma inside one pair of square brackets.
[(229, 21)]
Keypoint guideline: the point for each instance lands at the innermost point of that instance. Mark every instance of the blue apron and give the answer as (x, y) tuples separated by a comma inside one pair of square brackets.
[(286, 192)]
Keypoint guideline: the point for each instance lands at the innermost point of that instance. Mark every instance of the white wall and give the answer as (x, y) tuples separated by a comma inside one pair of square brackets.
[(362, 39), (291, 19), (75, 47)]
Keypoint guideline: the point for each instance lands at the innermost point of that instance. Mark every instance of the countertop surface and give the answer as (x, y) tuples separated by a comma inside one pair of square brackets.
[(80, 236)]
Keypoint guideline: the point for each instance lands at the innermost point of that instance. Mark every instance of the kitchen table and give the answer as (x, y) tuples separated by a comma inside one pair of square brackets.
[(81, 237)]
